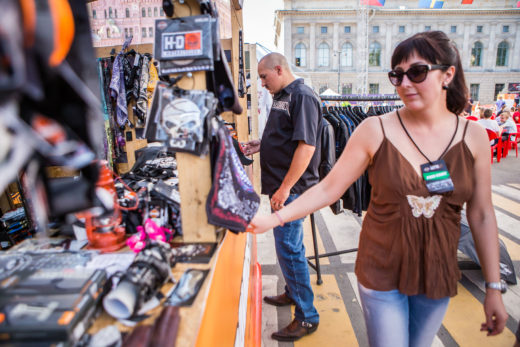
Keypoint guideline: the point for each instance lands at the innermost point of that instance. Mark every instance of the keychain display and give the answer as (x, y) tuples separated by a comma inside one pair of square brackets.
[(184, 44)]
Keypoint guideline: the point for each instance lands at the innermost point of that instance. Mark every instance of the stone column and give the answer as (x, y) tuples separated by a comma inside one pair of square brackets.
[(287, 39), (335, 47), (490, 61), (466, 49), (312, 46), (513, 52), (385, 64)]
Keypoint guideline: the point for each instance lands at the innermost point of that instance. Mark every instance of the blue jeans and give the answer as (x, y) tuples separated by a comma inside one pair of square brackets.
[(290, 251), (398, 320)]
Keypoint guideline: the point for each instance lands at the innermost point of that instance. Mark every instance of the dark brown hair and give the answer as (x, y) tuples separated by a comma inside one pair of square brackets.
[(436, 48), (488, 113)]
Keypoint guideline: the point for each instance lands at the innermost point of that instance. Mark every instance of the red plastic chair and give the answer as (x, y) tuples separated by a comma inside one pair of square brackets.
[(511, 142), (472, 118), (497, 146)]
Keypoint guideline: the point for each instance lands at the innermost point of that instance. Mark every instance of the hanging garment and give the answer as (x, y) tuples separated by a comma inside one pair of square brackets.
[(142, 98), (118, 91), (328, 157), (232, 202)]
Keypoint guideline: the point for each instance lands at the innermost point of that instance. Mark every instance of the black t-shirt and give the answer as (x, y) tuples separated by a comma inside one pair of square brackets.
[(295, 116)]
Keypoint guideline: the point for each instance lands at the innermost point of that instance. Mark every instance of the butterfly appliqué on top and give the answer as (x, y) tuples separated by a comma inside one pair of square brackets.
[(424, 206)]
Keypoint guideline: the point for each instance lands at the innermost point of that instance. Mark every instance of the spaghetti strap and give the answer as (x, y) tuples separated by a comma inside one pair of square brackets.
[(382, 127), (465, 128)]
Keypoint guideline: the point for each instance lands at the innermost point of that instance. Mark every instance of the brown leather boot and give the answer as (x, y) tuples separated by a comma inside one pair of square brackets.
[(279, 300), (295, 330)]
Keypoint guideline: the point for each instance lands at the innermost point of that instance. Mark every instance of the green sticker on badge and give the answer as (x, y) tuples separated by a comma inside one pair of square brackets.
[(436, 175)]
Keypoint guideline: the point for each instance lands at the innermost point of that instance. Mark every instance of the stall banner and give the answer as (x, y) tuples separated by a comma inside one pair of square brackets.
[(514, 87)]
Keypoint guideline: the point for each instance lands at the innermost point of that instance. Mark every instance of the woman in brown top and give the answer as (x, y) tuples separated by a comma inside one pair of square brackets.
[(424, 163)]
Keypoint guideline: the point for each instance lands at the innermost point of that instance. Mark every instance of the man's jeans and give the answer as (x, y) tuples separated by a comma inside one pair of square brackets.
[(395, 319), (291, 256)]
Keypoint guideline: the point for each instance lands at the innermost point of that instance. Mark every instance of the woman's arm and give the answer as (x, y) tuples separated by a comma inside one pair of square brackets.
[(483, 225), (352, 163)]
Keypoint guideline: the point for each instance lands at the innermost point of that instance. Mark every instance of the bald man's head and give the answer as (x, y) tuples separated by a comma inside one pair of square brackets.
[(271, 60), (274, 72)]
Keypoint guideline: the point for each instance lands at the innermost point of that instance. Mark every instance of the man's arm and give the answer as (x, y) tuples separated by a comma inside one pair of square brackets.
[(300, 161)]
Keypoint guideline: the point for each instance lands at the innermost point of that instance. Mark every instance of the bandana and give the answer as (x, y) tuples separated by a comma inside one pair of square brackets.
[(232, 202)]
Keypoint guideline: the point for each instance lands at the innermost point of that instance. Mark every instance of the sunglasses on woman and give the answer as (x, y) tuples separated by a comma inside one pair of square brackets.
[(416, 73)]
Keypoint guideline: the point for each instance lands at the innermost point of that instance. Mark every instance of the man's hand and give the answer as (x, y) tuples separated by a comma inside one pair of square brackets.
[(279, 198), (251, 147)]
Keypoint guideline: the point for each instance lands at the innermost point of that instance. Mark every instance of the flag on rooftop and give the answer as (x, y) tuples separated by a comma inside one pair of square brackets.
[(467, 2), (373, 2), (431, 3)]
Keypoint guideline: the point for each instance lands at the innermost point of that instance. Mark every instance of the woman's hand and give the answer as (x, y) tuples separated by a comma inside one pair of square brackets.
[(261, 223), (496, 315), (251, 147)]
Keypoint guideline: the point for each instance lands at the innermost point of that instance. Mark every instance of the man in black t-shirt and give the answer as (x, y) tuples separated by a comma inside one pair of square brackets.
[(289, 159)]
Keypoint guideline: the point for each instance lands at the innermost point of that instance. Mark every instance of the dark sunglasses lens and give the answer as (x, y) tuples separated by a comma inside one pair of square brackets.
[(417, 73), (395, 77)]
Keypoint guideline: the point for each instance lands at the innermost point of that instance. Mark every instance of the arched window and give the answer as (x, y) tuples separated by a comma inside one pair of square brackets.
[(323, 54), (476, 54), (143, 12), (502, 53), (127, 13), (110, 12), (300, 54), (346, 54), (149, 11), (374, 55), (155, 11)]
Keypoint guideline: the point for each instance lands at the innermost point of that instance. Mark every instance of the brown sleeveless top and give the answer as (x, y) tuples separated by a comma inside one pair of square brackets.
[(409, 238)]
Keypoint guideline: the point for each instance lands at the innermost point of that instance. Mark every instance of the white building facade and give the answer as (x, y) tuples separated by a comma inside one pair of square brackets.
[(323, 39)]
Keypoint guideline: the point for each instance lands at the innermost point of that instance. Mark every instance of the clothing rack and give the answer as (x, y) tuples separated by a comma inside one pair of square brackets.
[(316, 266)]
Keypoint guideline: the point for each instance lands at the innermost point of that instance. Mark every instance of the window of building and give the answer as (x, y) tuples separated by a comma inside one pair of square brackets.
[(346, 29), (93, 13), (374, 54), (127, 12), (498, 89), (323, 54), (150, 32), (375, 29), (300, 30), (105, 13), (131, 31), (427, 27), (108, 33), (161, 11), (479, 28), (323, 88), (373, 88), (110, 12), (143, 12), (476, 54), (143, 32), (502, 53), (401, 29), (453, 29), (115, 13), (126, 32), (155, 11), (300, 54), (505, 29), (149, 11), (346, 54), (346, 88), (473, 90), (323, 30)]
